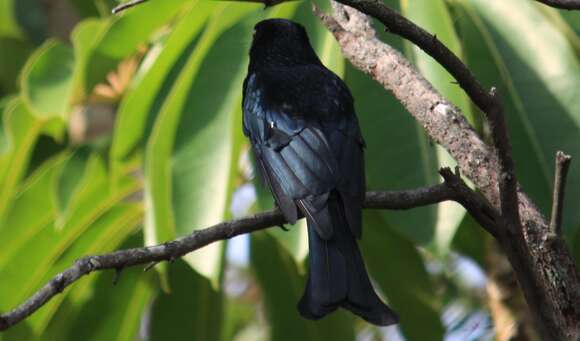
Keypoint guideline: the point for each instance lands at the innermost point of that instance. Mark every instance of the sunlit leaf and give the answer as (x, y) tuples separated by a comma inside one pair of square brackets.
[(22, 130), (192, 133), (142, 101), (105, 235), (8, 20)]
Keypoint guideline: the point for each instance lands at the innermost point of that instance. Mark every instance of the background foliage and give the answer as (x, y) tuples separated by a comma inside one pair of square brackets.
[(123, 131)]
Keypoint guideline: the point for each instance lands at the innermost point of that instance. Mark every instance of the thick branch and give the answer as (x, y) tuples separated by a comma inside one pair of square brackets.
[(453, 189), (487, 101), (562, 165), (563, 4), (546, 271)]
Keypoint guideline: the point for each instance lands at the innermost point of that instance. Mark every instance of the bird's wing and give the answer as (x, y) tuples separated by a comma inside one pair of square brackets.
[(303, 160)]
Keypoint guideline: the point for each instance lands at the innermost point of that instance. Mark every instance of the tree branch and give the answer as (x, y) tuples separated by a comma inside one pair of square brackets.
[(563, 4), (127, 5), (487, 101), (562, 165), (452, 189), (546, 271)]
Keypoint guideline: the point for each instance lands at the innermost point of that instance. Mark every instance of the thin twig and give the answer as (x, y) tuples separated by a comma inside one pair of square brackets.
[(475, 204), (127, 5), (562, 165), (562, 4)]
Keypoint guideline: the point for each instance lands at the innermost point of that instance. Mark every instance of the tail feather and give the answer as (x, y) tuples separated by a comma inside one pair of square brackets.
[(337, 275)]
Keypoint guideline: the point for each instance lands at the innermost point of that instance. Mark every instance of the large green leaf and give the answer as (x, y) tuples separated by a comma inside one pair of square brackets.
[(8, 21), (191, 311), (47, 80), (19, 225), (121, 36), (538, 76), (105, 235), (146, 98), (38, 252), (189, 152), (398, 269), (282, 287)]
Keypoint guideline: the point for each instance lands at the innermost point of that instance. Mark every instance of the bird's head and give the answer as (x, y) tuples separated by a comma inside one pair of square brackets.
[(280, 42)]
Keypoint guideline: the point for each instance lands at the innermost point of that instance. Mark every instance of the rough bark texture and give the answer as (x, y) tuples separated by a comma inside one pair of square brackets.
[(542, 262)]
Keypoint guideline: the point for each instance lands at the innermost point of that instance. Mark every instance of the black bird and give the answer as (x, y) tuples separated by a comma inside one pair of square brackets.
[(305, 136)]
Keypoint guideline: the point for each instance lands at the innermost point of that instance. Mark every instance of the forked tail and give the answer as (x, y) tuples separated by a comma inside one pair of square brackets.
[(337, 274)]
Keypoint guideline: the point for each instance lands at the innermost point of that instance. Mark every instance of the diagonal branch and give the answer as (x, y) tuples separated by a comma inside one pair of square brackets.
[(546, 272), (562, 4), (452, 189)]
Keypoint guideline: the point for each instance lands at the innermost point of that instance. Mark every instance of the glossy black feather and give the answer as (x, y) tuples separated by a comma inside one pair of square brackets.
[(301, 122)]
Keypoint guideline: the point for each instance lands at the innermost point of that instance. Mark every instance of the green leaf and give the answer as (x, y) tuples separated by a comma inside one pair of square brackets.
[(22, 130), (8, 21), (20, 226), (191, 311), (47, 80), (105, 235), (122, 38), (563, 21), (122, 35), (188, 155), (84, 44), (94, 195), (434, 16), (146, 98), (538, 76), (114, 312), (37, 254), (398, 269), (282, 287)]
